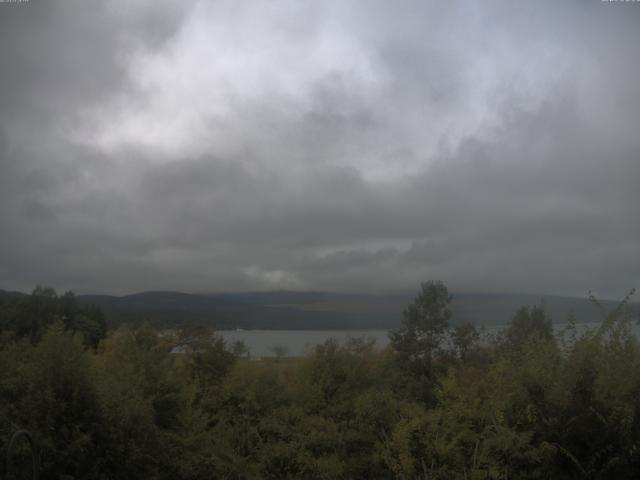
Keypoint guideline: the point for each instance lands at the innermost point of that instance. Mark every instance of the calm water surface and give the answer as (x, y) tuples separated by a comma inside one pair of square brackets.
[(261, 343)]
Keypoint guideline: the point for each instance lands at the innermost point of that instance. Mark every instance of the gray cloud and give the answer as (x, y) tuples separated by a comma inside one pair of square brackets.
[(348, 146)]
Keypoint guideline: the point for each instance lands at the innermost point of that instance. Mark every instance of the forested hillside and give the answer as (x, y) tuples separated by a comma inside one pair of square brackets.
[(437, 403), (322, 310)]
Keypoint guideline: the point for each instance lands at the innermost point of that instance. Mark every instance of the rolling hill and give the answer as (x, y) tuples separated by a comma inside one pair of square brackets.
[(323, 310)]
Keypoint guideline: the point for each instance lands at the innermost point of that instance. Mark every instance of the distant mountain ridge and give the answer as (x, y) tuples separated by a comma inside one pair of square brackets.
[(290, 310), (325, 310)]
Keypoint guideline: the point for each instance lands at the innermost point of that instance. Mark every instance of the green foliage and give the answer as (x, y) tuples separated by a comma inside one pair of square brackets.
[(425, 323), (464, 338), (183, 405), (206, 358), (419, 341), (528, 322), (240, 349), (279, 351), (29, 316), (48, 389)]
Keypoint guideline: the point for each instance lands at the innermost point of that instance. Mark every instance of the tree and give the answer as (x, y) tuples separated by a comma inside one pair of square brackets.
[(280, 351), (420, 338), (48, 389), (29, 316), (145, 401), (206, 356), (528, 322), (425, 323), (240, 349), (463, 339)]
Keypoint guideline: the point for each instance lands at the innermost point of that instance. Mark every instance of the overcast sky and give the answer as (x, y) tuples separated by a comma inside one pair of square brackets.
[(350, 146)]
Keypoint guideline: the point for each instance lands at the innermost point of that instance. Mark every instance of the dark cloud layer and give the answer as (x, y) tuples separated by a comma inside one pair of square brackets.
[(345, 146)]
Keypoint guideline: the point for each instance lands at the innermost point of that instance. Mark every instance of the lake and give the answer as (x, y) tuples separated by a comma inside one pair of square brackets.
[(298, 342)]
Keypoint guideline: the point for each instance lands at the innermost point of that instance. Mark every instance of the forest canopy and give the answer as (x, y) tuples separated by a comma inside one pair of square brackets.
[(441, 401)]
